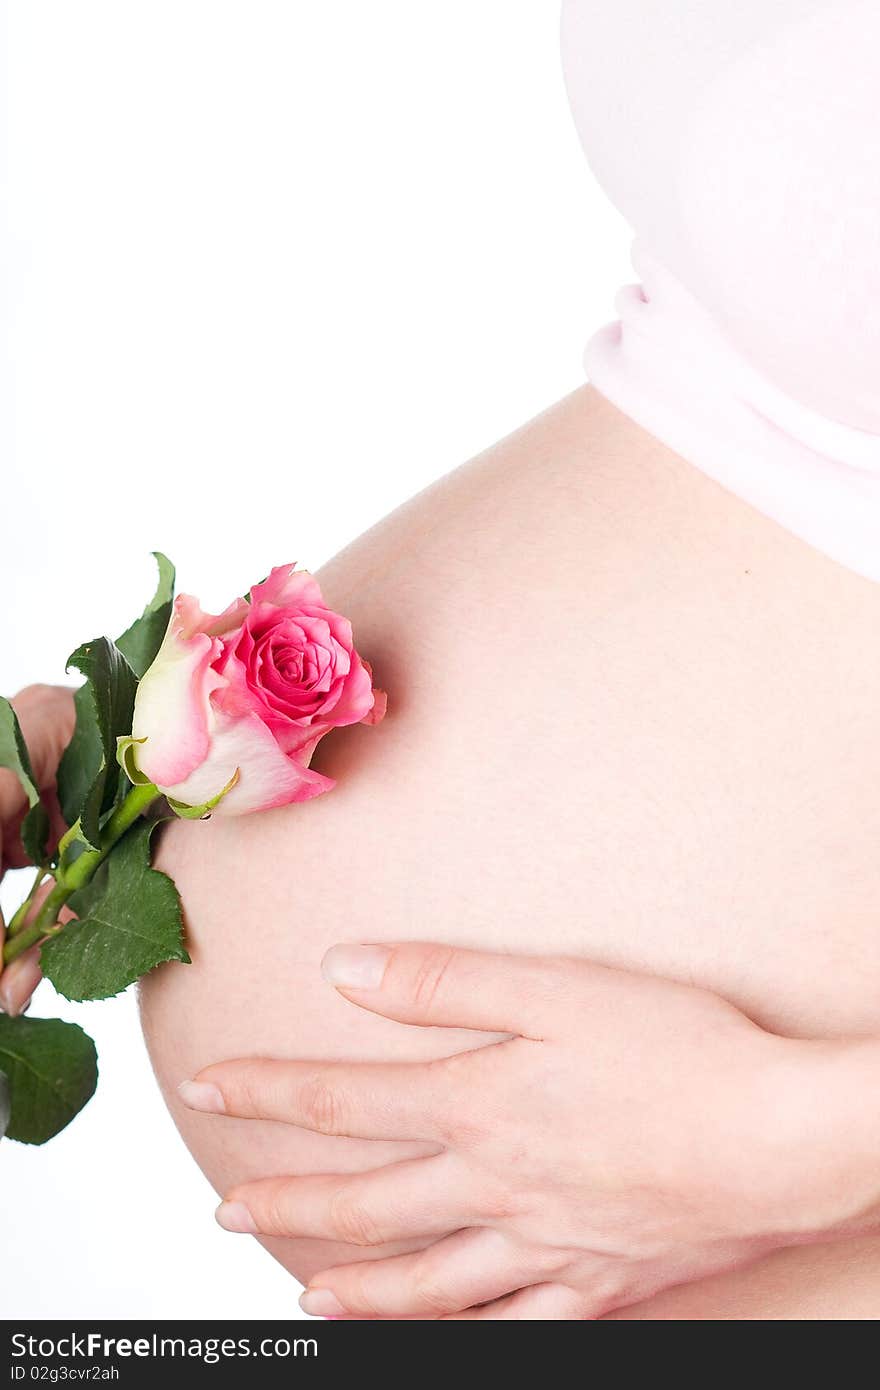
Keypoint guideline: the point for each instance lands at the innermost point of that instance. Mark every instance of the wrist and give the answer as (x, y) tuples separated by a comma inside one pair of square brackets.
[(820, 1149)]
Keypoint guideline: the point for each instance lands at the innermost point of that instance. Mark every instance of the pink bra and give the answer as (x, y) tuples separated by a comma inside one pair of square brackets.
[(741, 139)]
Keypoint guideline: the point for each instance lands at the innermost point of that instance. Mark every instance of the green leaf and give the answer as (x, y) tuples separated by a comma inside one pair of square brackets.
[(82, 901), (52, 1070), (81, 760), (13, 751), (140, 643), (112, 686), (35, 833), (80, 767), (90, 814), (4, 1104), (133, 926), (14, 755)]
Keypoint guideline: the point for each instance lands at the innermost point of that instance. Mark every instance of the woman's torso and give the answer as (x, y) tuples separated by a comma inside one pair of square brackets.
[(631, 719)]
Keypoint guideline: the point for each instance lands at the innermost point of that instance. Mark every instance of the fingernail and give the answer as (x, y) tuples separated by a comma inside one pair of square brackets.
[(200, 1095), (234, 1216), (321, 1303), (18, 982), (355, 967)]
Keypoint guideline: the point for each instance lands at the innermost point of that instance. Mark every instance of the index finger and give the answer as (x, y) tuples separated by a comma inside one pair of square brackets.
[(449, 987), (362, 1100)]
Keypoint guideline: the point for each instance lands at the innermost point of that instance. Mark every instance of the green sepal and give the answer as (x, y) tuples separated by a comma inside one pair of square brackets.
[(14, 755), (185, 812), (125, 757), (132, 926), (52, 1071)]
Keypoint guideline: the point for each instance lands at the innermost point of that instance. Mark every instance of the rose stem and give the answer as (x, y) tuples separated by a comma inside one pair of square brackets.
[(81, 870), (18, 918)]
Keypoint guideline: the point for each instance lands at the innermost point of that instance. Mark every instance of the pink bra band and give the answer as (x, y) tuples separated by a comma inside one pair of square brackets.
[(667, 366), (740, 139)]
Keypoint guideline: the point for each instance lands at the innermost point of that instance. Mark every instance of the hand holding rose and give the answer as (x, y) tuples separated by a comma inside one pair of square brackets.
[(46, 713), (215, 714), (632, 1134)]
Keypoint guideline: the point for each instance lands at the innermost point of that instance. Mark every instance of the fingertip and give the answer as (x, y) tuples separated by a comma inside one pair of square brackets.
[(236, 1217), (355, 967), (321, 1303), (203, 1097), (14, 1008)]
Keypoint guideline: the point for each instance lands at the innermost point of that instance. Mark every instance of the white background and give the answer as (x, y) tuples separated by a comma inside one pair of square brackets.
[(268, 269)]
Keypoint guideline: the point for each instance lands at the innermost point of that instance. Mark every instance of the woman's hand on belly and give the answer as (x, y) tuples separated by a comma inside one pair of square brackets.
[(631, 1135), (46, 714)]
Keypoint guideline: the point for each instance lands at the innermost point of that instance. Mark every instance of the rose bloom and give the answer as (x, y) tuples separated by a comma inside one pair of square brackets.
[(244, 698)]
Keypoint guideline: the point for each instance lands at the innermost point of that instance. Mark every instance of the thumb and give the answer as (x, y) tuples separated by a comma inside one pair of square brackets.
[(449, 987), (18, 982)]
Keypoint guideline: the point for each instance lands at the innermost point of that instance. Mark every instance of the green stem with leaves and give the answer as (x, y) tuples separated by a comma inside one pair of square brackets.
[(70, 877), (19, 918)]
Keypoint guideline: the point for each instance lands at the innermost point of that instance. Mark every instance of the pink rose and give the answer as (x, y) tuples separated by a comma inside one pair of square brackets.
[(244, 698)]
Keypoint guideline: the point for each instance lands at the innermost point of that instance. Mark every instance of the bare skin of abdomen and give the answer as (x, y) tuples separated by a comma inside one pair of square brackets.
[(630, 719)]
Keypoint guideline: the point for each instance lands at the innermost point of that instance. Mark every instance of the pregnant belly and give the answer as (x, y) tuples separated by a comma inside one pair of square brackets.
[(630, 720)]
